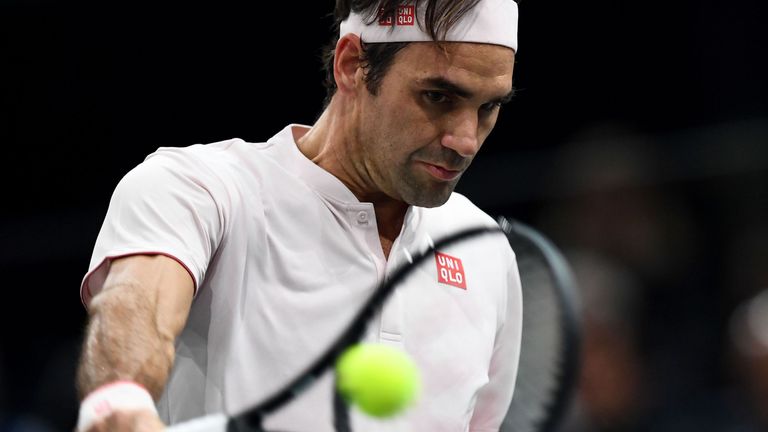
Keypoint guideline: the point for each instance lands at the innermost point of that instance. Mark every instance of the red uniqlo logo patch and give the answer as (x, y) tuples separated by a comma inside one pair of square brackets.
[(450, 271), (404, 16)]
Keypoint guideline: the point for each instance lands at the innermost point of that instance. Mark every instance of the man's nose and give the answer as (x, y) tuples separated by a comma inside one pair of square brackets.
[(461, 134)]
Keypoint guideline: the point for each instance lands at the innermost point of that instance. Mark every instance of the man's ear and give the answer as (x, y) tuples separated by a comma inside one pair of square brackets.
[(346, 62)]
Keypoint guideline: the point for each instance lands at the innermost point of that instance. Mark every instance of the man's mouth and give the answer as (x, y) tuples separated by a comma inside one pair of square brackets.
[(440, 172)]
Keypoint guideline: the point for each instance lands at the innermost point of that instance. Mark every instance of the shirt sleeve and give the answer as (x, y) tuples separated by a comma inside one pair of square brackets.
[(494, 398), (164, 206)]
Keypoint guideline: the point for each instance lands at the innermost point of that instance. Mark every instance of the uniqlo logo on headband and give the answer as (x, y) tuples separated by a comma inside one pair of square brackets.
[(404, 16), (450, 271)]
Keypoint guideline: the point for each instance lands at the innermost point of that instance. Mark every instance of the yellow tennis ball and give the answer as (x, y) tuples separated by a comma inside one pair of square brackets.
[(378, 379)]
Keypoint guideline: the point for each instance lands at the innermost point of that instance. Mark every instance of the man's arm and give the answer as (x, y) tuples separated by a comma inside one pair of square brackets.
[(133, 324)]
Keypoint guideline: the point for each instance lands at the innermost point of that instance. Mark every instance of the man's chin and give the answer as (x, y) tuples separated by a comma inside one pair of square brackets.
[(435, 198)]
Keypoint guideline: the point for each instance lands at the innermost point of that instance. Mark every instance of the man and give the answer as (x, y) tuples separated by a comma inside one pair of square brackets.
[(222, 270)]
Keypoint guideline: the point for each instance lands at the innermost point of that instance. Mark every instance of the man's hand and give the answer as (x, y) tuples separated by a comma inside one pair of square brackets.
[(128, 421)]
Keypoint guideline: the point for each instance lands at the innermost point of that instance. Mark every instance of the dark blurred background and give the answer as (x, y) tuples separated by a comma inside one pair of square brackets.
[(638, 142)]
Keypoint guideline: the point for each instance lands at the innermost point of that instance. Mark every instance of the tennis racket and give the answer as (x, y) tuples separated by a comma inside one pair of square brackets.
[(251, 419), (550, 347), (549, 351)]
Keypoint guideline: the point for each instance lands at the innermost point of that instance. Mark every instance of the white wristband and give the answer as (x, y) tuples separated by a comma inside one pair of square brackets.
[(118, 395), (209, 423)]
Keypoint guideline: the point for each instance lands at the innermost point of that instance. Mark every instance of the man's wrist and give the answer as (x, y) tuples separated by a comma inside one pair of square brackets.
[(117, 395)]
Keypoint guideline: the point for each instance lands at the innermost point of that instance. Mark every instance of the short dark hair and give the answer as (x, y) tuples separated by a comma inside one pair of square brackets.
[(439, 17)]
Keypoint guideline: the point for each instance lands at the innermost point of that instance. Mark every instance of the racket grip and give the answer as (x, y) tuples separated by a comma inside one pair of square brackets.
[(209, 423)]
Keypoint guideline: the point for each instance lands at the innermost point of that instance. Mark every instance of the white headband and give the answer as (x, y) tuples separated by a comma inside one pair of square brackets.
[(491, 21)]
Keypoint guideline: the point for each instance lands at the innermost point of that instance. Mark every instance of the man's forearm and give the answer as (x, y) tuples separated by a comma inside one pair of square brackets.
[(125, 340)]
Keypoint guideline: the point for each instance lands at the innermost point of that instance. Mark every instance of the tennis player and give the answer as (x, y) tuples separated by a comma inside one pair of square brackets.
[(222, 270)]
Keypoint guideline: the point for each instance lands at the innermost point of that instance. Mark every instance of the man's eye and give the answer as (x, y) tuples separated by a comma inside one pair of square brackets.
[(436, 97), (490, 106)]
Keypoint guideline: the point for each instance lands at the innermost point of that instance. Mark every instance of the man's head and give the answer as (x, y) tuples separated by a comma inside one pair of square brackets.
[(417, 112), (437, 19)]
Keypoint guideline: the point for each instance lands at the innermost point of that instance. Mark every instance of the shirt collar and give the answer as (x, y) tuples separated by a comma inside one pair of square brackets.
[(323, 182)]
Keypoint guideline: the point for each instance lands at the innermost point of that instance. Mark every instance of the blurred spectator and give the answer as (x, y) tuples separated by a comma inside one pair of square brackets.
[(653, 277), (611, 395), (604, 196)]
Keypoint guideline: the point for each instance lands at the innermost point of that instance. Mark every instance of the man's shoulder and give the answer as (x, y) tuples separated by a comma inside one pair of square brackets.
[(224, 153), (220, 159), (209, 152), (456, 214), (214, 167)]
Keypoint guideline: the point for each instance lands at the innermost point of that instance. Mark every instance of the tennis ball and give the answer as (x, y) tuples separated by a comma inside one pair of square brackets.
[(378, 379)]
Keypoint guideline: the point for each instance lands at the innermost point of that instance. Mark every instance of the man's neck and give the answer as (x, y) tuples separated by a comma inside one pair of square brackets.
[(325, 145), (389, 220)]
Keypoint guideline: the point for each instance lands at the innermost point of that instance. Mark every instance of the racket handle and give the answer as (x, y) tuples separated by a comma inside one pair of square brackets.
[(209, 423)]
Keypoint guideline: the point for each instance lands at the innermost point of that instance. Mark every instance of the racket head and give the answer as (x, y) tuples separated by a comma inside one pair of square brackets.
[(550, 347), (550, 343)]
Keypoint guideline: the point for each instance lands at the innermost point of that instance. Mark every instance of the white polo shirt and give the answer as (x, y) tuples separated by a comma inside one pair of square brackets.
[(283, 255)]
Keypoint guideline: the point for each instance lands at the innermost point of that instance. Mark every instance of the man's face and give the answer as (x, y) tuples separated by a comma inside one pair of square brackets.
[(433, 111)]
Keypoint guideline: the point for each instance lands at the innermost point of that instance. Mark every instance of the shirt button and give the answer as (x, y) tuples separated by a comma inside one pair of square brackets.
[(362, 218)]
